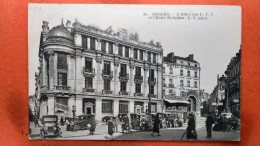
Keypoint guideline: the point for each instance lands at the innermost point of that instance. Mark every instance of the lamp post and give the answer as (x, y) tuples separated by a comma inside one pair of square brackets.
[(73, 110)]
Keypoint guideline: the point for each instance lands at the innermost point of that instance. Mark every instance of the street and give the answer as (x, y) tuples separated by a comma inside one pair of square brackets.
[(168, 134)]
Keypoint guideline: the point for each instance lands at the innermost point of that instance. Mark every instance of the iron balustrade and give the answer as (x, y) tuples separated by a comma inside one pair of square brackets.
[(63, 88), (88, 90)]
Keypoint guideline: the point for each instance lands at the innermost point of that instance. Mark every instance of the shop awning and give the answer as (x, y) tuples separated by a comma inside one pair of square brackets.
[(177, 101)]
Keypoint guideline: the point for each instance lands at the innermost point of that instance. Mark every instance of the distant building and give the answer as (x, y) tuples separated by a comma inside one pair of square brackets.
[(33, 104), (87, 70), (217, 100), (181, 84)]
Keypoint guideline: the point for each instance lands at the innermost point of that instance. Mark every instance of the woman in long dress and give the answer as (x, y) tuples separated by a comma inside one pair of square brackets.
[(156, 125), (191, 129)]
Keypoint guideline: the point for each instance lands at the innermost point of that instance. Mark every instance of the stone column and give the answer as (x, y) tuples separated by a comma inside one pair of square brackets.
[(128, 70), (123, 51), (145, 56), (99, 85), (79, 74), (79, 105), (115, 107), (55, 73), (115, 48), (51, 104), (44, 72), (51, 70), (131, 79), (98, 109), (98, 44), (88, 43), (159, 82), (131, 51), (78, 40), (145, 80), (131, 106), (115, 80), (107, 47)]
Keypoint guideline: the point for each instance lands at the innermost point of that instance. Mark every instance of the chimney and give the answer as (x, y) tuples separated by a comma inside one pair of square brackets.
[(45, 27), (170, 56), (191, 57), (68, 25)]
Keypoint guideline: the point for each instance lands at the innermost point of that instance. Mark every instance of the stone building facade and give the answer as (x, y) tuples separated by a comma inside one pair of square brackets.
[(87, 70), (181, 84)]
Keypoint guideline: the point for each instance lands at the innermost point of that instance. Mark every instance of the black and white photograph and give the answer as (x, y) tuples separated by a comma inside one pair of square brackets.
[(134, 72)]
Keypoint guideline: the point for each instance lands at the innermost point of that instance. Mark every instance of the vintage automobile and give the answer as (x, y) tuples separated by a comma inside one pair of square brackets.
[(144, 122), (106, 119), (81, 122), (50, 126)]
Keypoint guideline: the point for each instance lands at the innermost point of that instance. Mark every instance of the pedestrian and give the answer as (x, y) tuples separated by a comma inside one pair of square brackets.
[(36, 121), (210, 120), (125, 125), (111, 128), (61, 121), (191, 129), (92, 126), (156, 125), (117, 122)]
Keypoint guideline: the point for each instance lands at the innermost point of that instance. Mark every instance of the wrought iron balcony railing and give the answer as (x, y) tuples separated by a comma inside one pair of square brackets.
[(164, 85), (152, 81), (123, 77), (88, 90), (62, 66), (107, 92), (171, 85), (66, 88), (151, 95), (89, 72), (107, 74), (123, 93), (138, 79), (139, 94)]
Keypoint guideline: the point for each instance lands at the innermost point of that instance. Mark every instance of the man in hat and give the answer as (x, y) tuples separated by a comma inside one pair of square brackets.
[(210, 120)]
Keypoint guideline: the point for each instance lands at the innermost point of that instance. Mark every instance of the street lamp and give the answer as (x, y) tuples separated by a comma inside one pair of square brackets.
[(73, 110)]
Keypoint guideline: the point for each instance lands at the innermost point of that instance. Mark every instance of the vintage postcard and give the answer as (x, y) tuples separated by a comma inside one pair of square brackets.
[(134, 72)]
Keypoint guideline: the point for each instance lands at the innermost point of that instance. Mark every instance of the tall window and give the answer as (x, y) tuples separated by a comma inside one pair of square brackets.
[(164, 80), (141, 55), (153, 107), (110, 48), (181, 72), (138, 71), (126, 51), (88, 64), (163, 69), (107, 106), (171, 71), (84, 42), (188, 73), (195, 84), (62, 61), (120, 50), (170, 80), (92, 44), (152, 90), (135, 53), (181, 82), (149, 56), (103, 46), (123, 107), (106, 84), (137, 88), (154, 58), (123, 70), (62, 79), (170, 92), (106, 67), (188, 83), (123, 86), (152, 75), (195, 74), (88, 83)]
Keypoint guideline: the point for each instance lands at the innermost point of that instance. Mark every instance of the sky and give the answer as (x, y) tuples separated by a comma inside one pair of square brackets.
[(213, 40)]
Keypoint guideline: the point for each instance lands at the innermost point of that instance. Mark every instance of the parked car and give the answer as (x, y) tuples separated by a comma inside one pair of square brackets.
[(50, 126), (81, 122), (144, 123)]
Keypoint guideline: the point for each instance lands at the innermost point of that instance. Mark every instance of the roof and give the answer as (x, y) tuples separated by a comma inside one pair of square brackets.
[(166, 59), (177, 101), (60, 32)]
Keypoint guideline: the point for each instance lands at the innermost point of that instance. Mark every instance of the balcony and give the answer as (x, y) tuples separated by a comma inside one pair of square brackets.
[(138, 94), (89, 72), (138, 79), (171, 85), (152, 95), (88, 90), (107, 92), (164, 85), (123, 93), (152, 81), (107, 75), (62, 67), (123, 77), (61, 106), (65, 88)]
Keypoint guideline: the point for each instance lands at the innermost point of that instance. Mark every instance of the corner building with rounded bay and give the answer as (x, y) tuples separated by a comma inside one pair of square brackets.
[(86, 70)]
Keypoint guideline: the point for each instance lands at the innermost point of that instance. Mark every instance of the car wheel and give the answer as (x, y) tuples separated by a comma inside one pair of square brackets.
[(76, 128)]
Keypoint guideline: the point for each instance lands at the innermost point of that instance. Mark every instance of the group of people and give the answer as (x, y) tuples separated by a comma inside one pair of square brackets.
[(113, 124)]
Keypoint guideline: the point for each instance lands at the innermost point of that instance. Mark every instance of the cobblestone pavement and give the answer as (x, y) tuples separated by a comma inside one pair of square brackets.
[(166, 134)]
